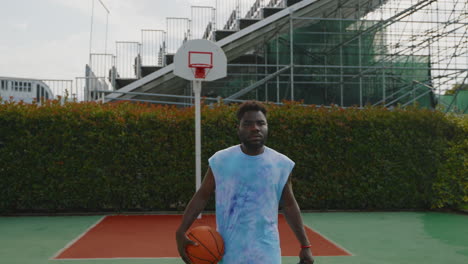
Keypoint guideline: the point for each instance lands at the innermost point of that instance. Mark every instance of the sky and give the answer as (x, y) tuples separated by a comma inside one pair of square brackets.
[(50, 39)]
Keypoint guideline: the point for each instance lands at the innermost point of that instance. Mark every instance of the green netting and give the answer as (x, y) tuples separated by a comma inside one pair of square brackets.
[(335, 62), (456, 103)]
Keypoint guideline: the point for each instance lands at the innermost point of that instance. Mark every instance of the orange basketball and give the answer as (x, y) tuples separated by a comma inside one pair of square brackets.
[(210, 248)]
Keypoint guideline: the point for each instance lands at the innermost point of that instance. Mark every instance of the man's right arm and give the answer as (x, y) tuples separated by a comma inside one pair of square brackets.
[(193, 209)]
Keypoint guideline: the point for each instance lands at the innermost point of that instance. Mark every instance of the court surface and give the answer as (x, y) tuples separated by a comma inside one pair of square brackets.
[(361, 237)]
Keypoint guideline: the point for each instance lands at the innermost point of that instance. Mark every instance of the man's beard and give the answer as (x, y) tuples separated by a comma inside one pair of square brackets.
[(253, 145)]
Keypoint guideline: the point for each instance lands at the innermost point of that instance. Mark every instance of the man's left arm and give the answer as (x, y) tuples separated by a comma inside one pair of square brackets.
[(292, 214)]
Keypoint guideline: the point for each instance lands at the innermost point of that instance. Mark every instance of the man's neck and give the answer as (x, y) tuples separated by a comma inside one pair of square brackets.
[(252, 152)]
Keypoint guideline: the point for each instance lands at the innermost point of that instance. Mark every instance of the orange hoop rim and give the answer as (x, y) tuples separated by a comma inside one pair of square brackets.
[(200, 65)]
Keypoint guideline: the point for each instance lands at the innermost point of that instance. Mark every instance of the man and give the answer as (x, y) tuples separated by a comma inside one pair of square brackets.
[(251, 181)]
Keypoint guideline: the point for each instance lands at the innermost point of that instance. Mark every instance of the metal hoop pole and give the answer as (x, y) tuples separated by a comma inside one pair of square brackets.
[(197, 90)]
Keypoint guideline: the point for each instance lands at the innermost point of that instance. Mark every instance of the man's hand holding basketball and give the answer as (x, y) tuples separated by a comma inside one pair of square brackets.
[(194, 208), (182, 242)]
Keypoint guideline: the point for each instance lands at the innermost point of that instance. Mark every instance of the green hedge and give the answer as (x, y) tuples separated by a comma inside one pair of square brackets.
[(114, 157), (451, 183)]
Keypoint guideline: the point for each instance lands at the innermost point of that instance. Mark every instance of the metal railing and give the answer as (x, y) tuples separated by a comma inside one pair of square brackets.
[(62, 88), (178, 31), (125, 59), (153, 47), (91, 88), (202, 18)]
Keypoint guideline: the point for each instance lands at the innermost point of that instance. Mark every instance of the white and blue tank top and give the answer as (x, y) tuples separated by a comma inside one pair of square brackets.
[(248, 192)]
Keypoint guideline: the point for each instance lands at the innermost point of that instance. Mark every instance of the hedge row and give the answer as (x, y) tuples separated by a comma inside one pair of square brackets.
[(114, 157)]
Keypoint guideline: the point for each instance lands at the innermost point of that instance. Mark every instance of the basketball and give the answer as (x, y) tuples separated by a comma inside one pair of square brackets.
[(210, 248)]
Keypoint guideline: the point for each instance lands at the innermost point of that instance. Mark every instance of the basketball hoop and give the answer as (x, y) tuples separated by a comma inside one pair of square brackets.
[(200, 70), (200, 62)]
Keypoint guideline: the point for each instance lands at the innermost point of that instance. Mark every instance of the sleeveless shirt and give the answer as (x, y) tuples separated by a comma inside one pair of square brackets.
[(248, 191)]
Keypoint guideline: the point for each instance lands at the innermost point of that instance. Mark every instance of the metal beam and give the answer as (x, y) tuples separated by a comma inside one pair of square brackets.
[(416, 98), (392, 19), (255, 85), (404, 95)]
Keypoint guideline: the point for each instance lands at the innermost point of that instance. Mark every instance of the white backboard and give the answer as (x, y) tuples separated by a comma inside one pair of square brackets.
[(200, 53)]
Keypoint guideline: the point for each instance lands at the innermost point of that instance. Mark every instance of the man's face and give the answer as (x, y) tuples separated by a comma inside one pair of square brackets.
[(253, 129)]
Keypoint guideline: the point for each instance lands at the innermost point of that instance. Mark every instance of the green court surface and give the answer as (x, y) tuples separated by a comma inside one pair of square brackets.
[(381, 237)]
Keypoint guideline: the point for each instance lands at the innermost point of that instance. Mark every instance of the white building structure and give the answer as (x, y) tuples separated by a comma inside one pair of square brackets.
[(26, 90)]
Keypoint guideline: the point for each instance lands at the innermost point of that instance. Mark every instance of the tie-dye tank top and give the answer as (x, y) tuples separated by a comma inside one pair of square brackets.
[(248, 191)]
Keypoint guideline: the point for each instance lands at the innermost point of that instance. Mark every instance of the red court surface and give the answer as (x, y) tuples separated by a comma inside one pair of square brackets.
[(153, 236)]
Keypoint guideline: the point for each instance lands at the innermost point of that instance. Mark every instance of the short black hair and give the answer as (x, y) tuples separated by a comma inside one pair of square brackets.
[(250, 106)]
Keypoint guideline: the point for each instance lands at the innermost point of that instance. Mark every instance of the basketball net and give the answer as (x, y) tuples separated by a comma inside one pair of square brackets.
[(200, 70)]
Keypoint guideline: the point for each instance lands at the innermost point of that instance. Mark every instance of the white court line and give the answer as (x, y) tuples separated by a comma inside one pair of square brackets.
[(76, 239), (336, 244)]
